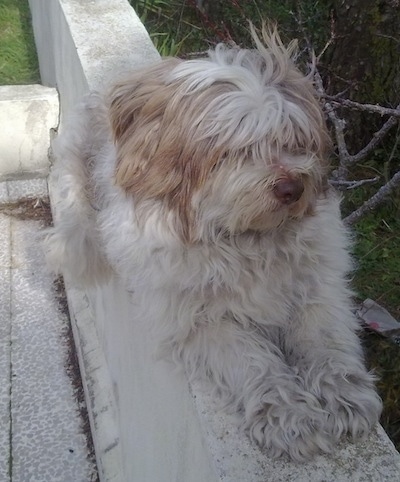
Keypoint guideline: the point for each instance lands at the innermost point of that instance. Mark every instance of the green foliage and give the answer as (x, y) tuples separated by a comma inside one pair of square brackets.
[(165, 44), (18, 60), (377, 247), (196, 29), (169, 24), (377, 276), (383, 358), (142, 7), (377, 253)]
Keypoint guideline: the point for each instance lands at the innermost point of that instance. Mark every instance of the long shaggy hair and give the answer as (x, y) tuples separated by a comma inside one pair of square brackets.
[(202, 184)]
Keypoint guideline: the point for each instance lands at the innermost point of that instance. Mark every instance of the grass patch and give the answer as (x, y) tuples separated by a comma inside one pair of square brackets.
[(182, 27), (18, 59), (383, 358), (377, 252)]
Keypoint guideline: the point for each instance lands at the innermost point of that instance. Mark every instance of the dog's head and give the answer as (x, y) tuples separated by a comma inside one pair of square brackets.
[(222, 145)]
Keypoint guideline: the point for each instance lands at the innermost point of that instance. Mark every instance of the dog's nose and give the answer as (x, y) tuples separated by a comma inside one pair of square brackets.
[(288, 190)]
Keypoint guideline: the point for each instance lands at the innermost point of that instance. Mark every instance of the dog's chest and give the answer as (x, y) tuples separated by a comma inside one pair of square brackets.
[(260, 282)]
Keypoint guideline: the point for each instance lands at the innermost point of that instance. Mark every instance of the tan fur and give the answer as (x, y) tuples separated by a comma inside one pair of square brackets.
[(163, 155)]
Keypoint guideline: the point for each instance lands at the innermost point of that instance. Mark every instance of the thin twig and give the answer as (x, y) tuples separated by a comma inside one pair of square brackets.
[(383, 193), (330, 103), (331, 39), (345, 158), (392, 154), (377, 138), (338, 125), (347, 185), (191, 55), (374, 108)]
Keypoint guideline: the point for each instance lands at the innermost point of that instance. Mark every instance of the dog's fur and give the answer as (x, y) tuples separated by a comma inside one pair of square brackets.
[(202, 184)]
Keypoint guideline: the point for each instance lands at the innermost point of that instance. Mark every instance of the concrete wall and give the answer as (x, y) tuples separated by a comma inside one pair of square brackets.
[(27, 115), (148, 424), (83, 45)]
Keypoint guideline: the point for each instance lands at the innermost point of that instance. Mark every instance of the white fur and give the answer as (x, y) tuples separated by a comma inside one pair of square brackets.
[(265, 315)]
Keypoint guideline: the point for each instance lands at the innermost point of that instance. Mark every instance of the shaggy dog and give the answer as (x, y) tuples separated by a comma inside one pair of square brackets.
[(203, 185)]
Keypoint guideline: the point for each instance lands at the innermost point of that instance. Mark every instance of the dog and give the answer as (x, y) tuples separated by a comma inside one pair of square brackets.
[(202, 184)]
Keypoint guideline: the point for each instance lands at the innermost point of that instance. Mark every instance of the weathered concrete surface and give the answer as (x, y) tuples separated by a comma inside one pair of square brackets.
[(170, 431), (102, 406), (42, 433), (27, 114), (84, 45), (148, 424)]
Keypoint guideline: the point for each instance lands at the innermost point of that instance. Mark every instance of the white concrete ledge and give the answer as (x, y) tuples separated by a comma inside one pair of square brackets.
[(148, 424), (27, 114), (83, 45)]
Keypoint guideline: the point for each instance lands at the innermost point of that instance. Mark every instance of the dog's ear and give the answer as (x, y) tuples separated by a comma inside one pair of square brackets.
[(159, 156), (137, 96), (137, 108)]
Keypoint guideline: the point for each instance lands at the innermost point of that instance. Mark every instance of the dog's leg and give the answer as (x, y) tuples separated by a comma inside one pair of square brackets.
[(325, 349), (252, 377), (321, 340), (72, 244)]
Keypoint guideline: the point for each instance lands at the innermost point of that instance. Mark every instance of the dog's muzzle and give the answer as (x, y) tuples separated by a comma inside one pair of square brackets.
[(288, 190)]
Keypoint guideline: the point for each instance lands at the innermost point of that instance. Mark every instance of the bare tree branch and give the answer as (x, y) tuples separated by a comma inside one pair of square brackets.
[(347, 185), (383, 193), (330, 41), (374, 142), (374, 108), (345, 158), (338, 124), (330, 105)]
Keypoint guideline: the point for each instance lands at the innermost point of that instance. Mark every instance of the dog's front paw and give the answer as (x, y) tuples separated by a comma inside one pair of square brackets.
[(350, 399), (296, 429), (354, 407)]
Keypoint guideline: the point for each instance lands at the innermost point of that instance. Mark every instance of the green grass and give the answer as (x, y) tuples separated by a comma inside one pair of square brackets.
[(377, 253), (378, 258), (18, 60), (177, 27), (377, 235)]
